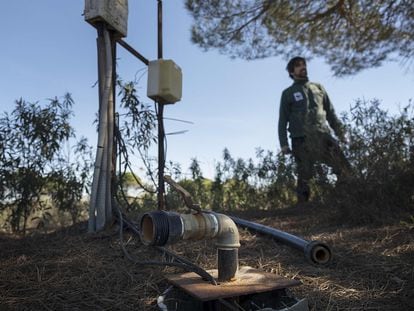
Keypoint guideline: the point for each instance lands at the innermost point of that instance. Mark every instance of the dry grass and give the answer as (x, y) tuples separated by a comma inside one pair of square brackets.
[(372, 269)]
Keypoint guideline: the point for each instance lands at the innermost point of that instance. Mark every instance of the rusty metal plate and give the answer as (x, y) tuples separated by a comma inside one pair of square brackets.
[(248, 281)]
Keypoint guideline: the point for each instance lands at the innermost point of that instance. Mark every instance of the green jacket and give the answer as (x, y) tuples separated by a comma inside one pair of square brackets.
[(305, 107)]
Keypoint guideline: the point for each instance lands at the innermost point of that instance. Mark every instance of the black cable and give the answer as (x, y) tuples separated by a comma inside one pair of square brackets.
[(161, 157), (129, 207), (188, 265), (138, 181), (144, 161), (183, 264), (201, 272), (126, 156), (148, 168), (127, 162)]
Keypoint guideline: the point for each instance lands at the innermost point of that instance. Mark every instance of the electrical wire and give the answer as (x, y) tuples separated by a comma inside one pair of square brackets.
[(124, 152), (176, 133), (144, 71), (148, 168), (183, 263), (144, 161), (201, 272), (159, 108), (178, 120)]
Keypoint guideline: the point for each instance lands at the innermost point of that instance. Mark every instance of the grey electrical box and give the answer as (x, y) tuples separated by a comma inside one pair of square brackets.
[(112, 12), (164, 81)]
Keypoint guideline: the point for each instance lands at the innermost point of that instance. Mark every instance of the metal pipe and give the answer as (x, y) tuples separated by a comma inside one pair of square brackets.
[(161, 157), (160, 117), (111, 47), (227, 263), (103, 204), (159, 22), (227, 248), (97, 202), (314, 251), (134, 52), (160, 228)]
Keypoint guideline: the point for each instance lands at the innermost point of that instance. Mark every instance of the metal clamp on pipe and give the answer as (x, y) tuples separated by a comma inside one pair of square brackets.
[(160, 228)]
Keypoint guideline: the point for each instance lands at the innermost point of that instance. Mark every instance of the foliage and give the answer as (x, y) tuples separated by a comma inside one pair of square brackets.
[(240, 184), (350, 35), (135, 134), (32, 140), (381, 152), (409, 223), (70, 178), (139, 119), (380, 149)]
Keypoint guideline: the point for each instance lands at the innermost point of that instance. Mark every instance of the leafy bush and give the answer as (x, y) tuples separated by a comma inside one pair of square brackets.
[(33, 162), (381, 152)]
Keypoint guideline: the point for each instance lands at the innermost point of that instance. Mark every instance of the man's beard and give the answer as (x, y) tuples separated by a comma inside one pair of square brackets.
[(303, 74)]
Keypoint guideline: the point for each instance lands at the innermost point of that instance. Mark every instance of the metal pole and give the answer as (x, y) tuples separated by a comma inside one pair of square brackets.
[(134, 52), (159, 29), (111, 162), (115, 113), (161, 157), (160, 117), (93, 214)]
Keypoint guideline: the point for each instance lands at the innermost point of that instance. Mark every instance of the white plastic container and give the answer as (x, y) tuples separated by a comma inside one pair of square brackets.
[(164, 81)]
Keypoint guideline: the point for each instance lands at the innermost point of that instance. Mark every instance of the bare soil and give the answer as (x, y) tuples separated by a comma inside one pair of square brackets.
[(68, 269)]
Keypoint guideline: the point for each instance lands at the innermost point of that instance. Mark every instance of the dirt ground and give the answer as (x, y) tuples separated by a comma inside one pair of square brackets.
[(68, 269)]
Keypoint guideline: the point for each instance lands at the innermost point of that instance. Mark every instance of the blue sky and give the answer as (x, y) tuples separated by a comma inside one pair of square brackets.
[(48, 49)]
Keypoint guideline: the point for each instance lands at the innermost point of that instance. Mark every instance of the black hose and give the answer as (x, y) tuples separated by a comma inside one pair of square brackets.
[(314, 251)]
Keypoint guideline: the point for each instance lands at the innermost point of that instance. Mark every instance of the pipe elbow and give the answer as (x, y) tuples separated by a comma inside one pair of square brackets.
[(160, 228), (228, 234)]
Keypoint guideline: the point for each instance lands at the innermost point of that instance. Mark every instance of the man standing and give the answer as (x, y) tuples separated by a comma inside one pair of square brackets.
[(306, 111)]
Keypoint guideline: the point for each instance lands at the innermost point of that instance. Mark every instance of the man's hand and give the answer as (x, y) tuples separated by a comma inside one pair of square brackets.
[(286, 150)]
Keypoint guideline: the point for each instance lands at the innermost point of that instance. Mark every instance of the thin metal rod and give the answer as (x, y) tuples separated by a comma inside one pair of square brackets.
[(159, 29), (119, 148), (115, 116), (110, 135), (161, 132), (161, 158), (133, 51)]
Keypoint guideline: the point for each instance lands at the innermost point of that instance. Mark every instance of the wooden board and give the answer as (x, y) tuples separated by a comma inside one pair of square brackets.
[(248, 281)]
